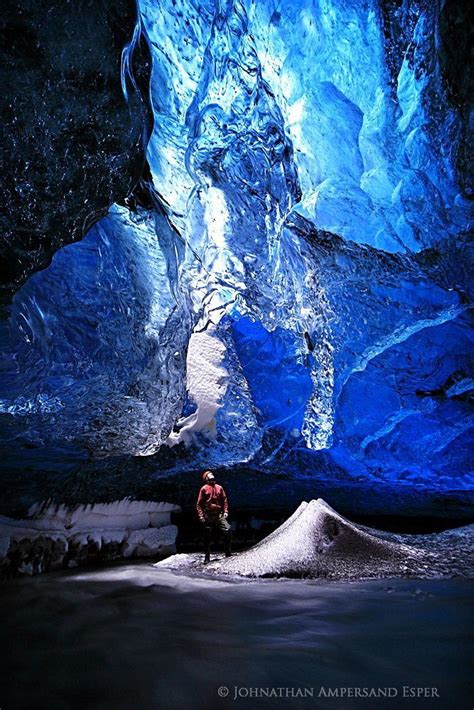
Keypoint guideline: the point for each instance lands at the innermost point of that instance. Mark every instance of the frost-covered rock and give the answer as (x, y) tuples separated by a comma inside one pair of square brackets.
[(151, 542)]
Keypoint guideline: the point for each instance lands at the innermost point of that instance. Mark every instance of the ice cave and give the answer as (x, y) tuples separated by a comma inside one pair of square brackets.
[(237, 238)]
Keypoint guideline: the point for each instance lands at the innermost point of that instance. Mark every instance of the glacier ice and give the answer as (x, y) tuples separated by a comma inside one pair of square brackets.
[(289, 283), (222, 427), (52, 537), (99, 343)]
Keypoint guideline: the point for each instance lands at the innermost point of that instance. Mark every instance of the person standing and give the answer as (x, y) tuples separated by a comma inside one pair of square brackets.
[(213, 510)]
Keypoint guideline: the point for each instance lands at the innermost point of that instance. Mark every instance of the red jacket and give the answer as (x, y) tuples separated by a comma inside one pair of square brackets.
[(212, 500)]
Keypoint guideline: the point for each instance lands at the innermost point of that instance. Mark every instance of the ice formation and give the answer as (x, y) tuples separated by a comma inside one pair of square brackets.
[(288, 285), (54, 536), (317, 542)]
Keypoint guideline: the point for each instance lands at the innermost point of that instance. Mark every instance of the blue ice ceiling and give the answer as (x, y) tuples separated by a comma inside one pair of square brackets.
[(297, 281)]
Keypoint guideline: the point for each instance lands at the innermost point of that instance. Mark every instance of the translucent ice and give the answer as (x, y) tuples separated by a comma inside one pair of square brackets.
[(303, 234)]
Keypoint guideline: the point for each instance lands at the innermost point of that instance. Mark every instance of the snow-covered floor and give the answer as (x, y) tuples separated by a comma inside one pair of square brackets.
[(135, 637)]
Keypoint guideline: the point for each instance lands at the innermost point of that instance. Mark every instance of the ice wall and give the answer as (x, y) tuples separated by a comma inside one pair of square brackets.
[(290, 280), (98, 344), (376, 153), (52, 537), (72, 144)]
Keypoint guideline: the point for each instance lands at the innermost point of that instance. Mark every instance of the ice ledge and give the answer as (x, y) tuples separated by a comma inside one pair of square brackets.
[(54, 536)]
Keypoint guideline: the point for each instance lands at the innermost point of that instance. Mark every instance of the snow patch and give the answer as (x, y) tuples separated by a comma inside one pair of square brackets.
[(206, 384)]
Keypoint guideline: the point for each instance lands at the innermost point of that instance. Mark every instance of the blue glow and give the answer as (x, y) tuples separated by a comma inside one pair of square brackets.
[(308, 214), (280, 385)]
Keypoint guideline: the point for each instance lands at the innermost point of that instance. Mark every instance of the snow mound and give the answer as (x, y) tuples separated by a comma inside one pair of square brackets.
[(317, 542)]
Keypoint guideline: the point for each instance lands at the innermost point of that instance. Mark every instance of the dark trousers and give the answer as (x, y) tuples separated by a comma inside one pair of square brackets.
[(216, 525)]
